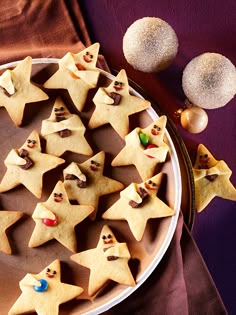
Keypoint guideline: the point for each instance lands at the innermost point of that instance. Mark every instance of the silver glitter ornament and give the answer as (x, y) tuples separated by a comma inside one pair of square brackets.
[(150, 44), (209, 80)]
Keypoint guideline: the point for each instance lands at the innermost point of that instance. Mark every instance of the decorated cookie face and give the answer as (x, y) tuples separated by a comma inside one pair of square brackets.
[(107, 238), (94, 166), (58, 195), (204, 159), (87, 58), (120, 84), (32, 143), (151, 185), (44, 292)]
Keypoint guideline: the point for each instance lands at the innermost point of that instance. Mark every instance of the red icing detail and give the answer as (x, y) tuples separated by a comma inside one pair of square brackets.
[(49, 275), (110, 241), (58, 199), (150, 187), (80, 67), (117, 88), (86, 59), (50, 222), (154, 132), (93, 168), (150, 146), (31, 146)]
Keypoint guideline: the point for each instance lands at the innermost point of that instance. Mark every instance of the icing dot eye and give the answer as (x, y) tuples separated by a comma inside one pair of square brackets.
[(200, 156), (109, 236), (62, 108), (56, 109), (87, 53), (91, 56), (60, 195), (33, 141), (206, 155), (149, 182), (28, 141), (55, 194), (104, 237), (48, 269), (54, 272), (116, 83)]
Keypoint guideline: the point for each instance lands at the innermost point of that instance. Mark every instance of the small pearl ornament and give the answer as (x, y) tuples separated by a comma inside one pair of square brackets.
[(150, 44), (192, 118)]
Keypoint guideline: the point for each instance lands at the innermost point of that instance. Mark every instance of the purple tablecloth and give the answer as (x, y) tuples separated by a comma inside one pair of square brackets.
[(201, 26)]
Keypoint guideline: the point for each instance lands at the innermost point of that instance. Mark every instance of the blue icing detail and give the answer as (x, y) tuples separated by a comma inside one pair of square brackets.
[(43, 287)]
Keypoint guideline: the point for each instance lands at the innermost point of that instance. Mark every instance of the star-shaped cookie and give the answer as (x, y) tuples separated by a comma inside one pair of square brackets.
[(211, 179), (78, 74), (144, 148), (44, 292), (7, 218), (114, 104), (85, 182), (56, 219), (16, 90), (27, 165), (137, 204), (108, 261), (64, 131)]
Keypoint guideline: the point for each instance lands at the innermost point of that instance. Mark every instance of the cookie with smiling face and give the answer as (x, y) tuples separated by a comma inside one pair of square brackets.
[(56, 219), (16, 90), (137, 204), (114, 104), (111, 262), (86, 183), (211, 178), (64, 131), (78, 74), (144, 148), (44, 292), (27, 165)]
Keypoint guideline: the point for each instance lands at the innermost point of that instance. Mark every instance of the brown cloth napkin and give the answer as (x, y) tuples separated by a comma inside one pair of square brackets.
[(181, 284)]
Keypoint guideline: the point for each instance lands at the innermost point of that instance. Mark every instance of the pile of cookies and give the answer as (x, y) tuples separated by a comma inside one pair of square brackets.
[(75, 197)]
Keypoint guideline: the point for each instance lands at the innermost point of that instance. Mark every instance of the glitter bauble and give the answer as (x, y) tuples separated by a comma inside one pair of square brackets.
[(150, 44), (209, 80), (194, 119)]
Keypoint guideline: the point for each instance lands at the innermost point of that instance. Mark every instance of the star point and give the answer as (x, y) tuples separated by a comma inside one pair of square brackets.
[(7, 219)]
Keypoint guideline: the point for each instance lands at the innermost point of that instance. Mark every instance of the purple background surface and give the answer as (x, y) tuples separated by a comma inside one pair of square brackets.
[(201, 26)]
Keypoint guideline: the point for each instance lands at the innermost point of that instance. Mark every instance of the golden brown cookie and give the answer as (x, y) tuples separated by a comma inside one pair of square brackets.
[(211, 179), (16, 90), (144, 148), (85, 182), (27, 165), (114, 104), (64, 131), (44, 292), (56, 219), (78, 74), (137, 204), (108, 261), (7, 218)]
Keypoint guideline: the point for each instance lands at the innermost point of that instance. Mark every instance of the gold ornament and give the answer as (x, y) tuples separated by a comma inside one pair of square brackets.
[(209, 80), (150, 44)]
